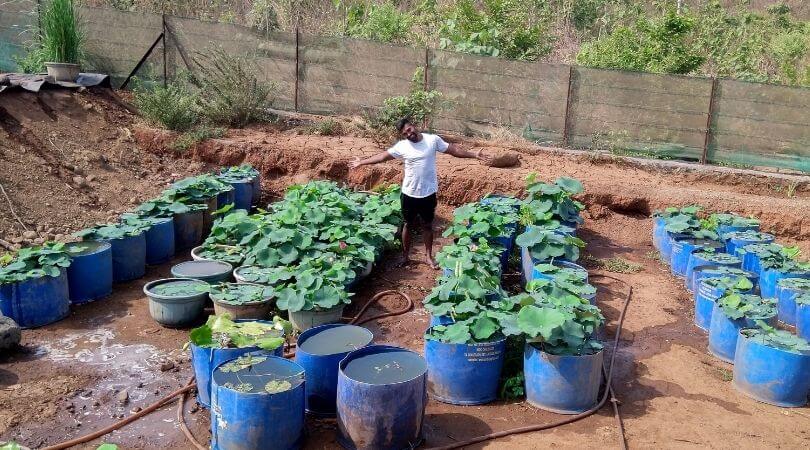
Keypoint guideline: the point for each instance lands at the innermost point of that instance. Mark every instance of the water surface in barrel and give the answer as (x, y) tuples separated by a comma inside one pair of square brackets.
[(336, 340), (386, 367)]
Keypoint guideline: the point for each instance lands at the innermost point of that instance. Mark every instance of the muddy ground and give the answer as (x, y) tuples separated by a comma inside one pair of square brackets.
[(68, 378)]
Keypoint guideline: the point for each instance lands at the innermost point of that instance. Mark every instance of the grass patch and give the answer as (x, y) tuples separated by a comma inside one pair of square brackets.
[(615, 264), (190, 138), (725, 374), (328, 127)]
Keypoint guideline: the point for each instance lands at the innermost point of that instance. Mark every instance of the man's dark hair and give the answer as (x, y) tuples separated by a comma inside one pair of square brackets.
[(402, 122)]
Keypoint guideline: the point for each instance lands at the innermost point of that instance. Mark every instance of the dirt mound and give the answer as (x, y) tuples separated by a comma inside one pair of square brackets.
[(611, 185), (68, 159)]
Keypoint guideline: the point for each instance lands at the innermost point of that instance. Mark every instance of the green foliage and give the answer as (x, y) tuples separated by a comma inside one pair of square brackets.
[(34, 262), (240, 293), (418, 105), (222, 332), (549, 204), (506, 28), (479, 328), (733, 220), (61, 34), (795, 284), (233, 94), (748, 235), (470, 255), (173, 107), (545, 245), (164, 207), (196, 190), (561, 281), (233, 254), (481, 220), (660, 45), (243, 362), (729, 282), (721, 258), (617, 264), (180, 288), (32, 61), (690, 224), (737, 306), (382, 22), (564, 324), (328, 127), (802, 299), (779, 339), (104, 232), (106, 446)]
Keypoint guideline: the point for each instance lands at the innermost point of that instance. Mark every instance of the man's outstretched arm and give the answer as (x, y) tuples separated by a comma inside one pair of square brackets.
[(458, 152), (378, 158)]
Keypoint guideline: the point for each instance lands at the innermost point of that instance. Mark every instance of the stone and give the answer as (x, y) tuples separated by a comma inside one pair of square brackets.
[(10, 333), (166, 366), (59, 237), (91, 178), (122, 397), (79, 181), (30, 234)]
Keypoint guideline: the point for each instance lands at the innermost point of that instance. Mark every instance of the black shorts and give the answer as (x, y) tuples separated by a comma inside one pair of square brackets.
[(424, 208)]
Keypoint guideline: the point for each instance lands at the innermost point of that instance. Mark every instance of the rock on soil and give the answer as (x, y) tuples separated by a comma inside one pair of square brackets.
[(10, 333)]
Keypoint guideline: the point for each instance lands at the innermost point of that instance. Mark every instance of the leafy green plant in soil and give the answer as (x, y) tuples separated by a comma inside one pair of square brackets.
[(165, 207), (479, 328), (218, 252), (748, 235), (180, 288), (222, 332), (196, 189), (546, 202), (795, 284), (266, 275), (173, 107), (802, 299), (34, 262), (691, 210), (778, 339), (240, 293), (737, 306), (563, 280), (62, 36), (732, 283), (547, 245), (235, 173), (728, 219), (481, 220), (418, 105), (309, 292), (467, 254), (103, 232), (717, 257)]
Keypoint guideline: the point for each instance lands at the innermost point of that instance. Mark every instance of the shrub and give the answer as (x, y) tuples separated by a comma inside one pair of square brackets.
[(506, 28), (192, 137), (328, 127), (418, 105), (380, 22), (61, 34), (660, 45), (173, 107), (233, 94)]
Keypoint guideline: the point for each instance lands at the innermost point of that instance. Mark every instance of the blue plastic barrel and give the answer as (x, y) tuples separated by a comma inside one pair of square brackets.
[(37, 301), (188, 229), (724, 332), (771, 375), (160, 242), (258, 420), (769, 278), (750, 261), (90, 275), (564, 264), (256, 184), (724, 229), (381, 415), (733, 244), (682, 249), (786, 303), (528, 263), (322, 369), (464, 374), (564, 384), (225, 198), (128, 257), (441, 320), (659, 225), (705, 301), (803, 321), (666, 244), (204, 360), (696, 261), (243, 194)]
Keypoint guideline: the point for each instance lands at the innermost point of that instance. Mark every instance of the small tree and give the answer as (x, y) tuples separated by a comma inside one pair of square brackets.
[(419, 105)]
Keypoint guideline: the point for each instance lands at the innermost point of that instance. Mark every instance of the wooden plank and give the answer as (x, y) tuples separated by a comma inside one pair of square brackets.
[(548, 88), (648, 82), (498, 66), (590, 127), (464, 98), (755, 128), (765, 93)]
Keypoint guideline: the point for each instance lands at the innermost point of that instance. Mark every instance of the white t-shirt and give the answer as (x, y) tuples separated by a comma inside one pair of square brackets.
[(420, 164)]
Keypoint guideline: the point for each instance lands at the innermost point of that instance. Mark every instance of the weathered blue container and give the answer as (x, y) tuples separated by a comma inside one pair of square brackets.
[(711, 272), (803, 321), (160, 242), (769, 278), (256, 184), (682, 249), (733, 244), (90, 275), (771, 375), (128, 257), (322, 371), (37, 301), (464, 374), (724, 332), (243, 194), (204, 360), (564, 384), (441, 320), (706, 297), (528, 263), (258, 420), (750, 261), (225, 198), (696, 261), (666, 244), (723, 229), (786, 304), (659, 229), (188, 229), (381, 416)]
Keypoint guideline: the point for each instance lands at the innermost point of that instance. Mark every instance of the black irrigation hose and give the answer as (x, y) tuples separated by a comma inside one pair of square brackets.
[(608, 394)]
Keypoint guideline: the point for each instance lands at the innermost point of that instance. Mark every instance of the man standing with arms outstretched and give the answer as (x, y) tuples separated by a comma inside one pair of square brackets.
[(419, 186)]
